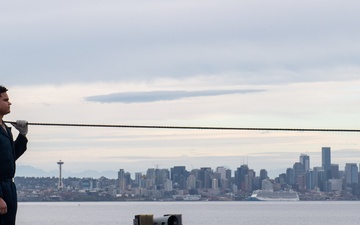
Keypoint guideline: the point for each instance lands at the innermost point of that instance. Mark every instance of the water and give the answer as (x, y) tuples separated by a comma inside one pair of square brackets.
[(193, 213)]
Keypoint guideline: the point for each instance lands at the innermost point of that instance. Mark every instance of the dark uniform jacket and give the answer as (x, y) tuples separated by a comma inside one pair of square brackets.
[(10, 151)]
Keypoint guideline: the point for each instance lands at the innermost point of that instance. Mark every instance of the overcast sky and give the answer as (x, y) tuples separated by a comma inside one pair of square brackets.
[(234, 63)]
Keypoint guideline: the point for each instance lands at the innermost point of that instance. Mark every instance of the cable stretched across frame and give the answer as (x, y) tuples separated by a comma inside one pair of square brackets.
[(191, 127)]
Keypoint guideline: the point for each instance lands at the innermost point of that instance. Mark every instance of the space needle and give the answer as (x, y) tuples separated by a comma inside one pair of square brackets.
[(60, 183)]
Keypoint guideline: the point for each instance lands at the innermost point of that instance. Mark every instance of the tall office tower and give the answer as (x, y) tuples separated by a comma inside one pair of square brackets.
[(321, 176), (208, 172), (249, 180), (351, 173), (168, 185), (305, 161), (326, 161), (161, 176), (121, 173), (317, 170), (241, 174), (335, 171), (310, 180), (138, 179), (263, 174), (228, 174), (179, 175), (298, 169), (60, 183), (290, 176), (128, 177), (122, 181), (222, 171), (282, 178), (150, 174), (122, 185), (214, 184), (204, 177), (191, 182)]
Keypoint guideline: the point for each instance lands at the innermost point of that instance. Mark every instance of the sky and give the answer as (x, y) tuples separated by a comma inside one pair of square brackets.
[(234, 63)]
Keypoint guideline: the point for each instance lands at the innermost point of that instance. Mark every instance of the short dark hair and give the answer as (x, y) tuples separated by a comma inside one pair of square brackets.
[(3, 89)]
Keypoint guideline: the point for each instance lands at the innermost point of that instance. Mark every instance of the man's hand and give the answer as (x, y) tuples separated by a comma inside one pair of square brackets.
[(3, 207), (21, 126)]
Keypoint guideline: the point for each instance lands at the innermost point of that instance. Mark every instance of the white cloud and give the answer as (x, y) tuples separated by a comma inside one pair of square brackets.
[(302, 105), (77, 41)]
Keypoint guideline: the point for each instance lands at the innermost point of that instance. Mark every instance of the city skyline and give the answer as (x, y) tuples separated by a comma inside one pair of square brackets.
[(304, 159), (298, 182)]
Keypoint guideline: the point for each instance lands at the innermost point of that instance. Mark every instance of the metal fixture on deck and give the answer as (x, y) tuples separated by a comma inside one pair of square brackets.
[(167, 219)]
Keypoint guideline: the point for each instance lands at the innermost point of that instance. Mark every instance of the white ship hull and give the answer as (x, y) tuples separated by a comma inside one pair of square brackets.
[(259, 195), (187, 197)]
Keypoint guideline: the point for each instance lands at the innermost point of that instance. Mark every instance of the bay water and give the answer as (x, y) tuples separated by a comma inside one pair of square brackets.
[(193, 213)]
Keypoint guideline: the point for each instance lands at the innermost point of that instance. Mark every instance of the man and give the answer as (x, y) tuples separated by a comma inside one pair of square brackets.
[(10, 151)]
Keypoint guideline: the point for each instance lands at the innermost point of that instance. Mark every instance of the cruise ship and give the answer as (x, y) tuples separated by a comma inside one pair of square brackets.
[(261, 195), (187, 197)]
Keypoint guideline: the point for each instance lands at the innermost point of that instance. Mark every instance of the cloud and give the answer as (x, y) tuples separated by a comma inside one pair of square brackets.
[(259, 42), (154, 96)]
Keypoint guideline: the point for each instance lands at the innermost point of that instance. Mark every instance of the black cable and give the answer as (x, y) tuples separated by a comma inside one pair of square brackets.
[(192, 127)]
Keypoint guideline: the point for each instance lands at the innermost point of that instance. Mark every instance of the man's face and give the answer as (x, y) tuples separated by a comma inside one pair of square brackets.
[(4, 104)]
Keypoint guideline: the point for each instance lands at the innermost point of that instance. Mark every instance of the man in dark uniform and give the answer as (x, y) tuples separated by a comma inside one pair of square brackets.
[(10, 151)]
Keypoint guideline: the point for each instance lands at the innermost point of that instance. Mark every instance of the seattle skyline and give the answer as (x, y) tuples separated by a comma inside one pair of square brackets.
[(304, 159)]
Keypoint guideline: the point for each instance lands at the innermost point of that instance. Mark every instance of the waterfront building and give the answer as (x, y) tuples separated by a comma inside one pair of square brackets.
[(88, 184), (336, 184), (267, 185)]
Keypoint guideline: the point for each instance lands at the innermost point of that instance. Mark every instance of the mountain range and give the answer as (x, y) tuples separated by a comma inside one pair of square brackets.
[(29, 171)]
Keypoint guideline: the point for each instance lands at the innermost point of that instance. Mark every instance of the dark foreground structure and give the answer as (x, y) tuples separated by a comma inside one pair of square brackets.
[(148, 219)]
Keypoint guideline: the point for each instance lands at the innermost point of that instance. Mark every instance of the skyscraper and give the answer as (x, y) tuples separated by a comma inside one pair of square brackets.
[(326, 161), (179, 175), (263, 174), (351, 173), (305, 161), (241, 174)]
